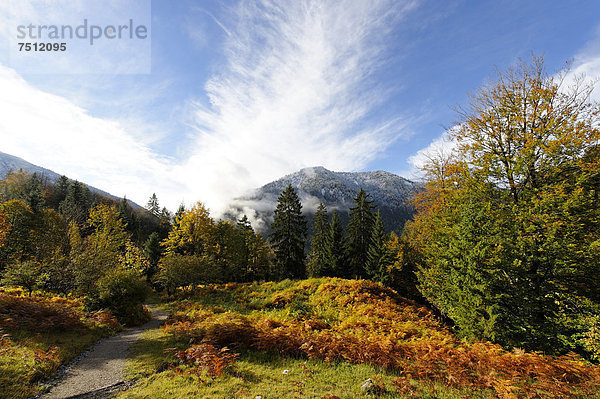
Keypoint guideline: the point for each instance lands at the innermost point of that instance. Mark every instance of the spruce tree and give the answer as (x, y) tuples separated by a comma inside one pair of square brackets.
[(244, 224), (335, 248), (153, 251), (76, 205), (152, 206), (289, 234), (379, 257), (317, 262), (360, 230)]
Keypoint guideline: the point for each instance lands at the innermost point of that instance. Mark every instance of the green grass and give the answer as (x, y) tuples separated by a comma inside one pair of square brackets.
[(26, 360), (258, 373), (332, 335), (261, 374)]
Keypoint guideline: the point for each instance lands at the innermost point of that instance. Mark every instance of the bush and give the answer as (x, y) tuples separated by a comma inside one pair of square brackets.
[(22, 274), (123, 293), (185, 270)]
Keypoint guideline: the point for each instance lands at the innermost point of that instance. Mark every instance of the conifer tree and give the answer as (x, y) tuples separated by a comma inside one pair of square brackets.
[(289, 234), (317, 262), (335, 248), (153, 251), (76, 205), (360, 230), (379, 257), (152, 206), (244, 224)]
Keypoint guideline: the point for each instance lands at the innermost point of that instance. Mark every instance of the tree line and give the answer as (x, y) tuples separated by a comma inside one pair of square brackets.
[(362, 250)]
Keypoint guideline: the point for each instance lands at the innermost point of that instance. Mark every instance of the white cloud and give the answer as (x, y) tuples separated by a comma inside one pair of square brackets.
[(296, 92), (54, 133), (441, 147)]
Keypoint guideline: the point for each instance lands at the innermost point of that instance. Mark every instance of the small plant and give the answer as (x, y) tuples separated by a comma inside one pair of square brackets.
[(211, 359)]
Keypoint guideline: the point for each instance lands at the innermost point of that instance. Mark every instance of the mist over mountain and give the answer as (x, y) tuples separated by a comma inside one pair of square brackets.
[(10, 163), (390, 193)]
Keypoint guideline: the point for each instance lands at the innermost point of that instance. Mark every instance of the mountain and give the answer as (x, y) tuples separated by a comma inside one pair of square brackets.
[(10, 163), (390, 193)]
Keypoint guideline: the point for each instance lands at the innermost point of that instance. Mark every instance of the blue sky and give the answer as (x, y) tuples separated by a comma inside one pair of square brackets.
[(243, 92)]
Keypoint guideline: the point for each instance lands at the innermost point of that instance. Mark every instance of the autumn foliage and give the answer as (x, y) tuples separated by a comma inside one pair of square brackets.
[(364, 322), (505, 240), (38, 334)]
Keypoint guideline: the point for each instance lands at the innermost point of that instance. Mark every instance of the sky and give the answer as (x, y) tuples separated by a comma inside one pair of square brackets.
[(215, 98)]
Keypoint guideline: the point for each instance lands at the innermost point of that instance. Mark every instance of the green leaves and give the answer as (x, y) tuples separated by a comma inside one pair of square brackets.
[(507, 225)]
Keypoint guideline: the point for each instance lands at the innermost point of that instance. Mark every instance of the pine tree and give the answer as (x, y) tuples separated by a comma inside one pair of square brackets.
[(152, 206), (153, 251), (244, 224), (76, 205), (289, 234), (127, 215), (360, 230), (335, 248), (34, 197), (379, 257), (317, 262)]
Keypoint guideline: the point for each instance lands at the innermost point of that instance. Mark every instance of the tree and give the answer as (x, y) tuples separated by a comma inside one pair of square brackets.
[(190, 231), (317, 259), (379, 256), (23, 186), (76, 205), (152, 206), (506, 235), (244, 224), (359, 233), (289, 234), (18, 243), (24, 274), (56, 193), (100, 252), (153, 252), (4, 226), (335, 248)]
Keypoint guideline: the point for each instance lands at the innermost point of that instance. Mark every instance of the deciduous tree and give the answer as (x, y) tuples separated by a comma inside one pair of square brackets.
[(506, 233)]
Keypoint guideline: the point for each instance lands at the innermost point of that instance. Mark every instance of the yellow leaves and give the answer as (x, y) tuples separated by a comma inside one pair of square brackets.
[(379, 328), (4, 226), (190, 231)]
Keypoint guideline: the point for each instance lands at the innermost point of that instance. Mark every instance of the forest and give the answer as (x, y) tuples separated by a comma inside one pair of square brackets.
[(503, 252)]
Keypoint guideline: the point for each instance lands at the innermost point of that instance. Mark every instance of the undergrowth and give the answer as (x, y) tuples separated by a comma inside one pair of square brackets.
[(335, 321), (38, 334)]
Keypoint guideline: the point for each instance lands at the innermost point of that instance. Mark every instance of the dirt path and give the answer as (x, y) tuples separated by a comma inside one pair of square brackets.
[(101, 372)]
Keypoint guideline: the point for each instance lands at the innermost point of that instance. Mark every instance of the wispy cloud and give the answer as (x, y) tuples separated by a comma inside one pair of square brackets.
[(55, 133), (297, 88), (296, 91)]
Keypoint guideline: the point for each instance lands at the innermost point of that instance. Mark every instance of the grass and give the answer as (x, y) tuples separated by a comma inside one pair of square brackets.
[(264, 374), (332, 335), (39, 334)]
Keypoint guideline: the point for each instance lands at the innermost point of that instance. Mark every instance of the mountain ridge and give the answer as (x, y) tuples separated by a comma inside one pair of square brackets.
[(390, 193), (10, 163)]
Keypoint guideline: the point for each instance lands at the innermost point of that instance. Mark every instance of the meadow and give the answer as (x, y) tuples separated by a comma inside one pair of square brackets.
[(41, 332), (323, 338)]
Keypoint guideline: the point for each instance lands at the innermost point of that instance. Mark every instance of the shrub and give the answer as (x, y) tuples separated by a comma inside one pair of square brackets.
[(24, 274), (123, 293), (185, 270)]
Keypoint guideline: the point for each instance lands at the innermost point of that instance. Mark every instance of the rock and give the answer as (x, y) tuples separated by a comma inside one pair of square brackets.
[(370, 388)]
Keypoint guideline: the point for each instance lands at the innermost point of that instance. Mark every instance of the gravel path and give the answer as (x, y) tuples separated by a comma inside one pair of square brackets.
[(100, 373)]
